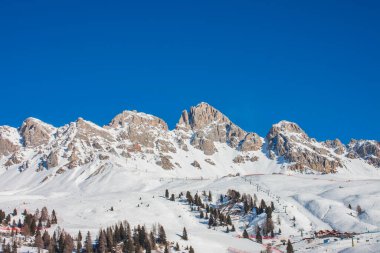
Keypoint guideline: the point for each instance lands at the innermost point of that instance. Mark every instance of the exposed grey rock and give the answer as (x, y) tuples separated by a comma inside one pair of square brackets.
[(196, 164), (165, 163), (9, 140), (288, 140), (208, 160), (35, 132), (52, 160), (365, 149), (208, 125), (336, 145)]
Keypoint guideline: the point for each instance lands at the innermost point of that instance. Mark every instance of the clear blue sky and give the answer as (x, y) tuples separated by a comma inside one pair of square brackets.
[(313, 62)]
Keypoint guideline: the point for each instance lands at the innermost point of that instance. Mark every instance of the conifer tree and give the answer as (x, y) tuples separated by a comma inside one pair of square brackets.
[(201, 215), (53, 217), (79, 242), (167, 193), (68, 245), (88, 243), (229, 222), (166, 249), (102, 242), (33, 227), (46, 239), (152, 240), (184, 234), (209, 196), (172, 198), (289, 247), (245, 234), (38, 243), (191, 250), (233, 228), (259, 238), (162, 235)]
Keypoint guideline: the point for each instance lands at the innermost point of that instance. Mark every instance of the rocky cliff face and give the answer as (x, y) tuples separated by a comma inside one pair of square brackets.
[(365, 149), (207, 125), (9, 140), (288, 140)]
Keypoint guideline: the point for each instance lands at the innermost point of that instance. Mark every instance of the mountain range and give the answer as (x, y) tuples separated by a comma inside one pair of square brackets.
[(205, 142)]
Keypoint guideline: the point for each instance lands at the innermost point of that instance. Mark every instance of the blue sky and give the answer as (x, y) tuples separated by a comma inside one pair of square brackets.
[(313, 62)]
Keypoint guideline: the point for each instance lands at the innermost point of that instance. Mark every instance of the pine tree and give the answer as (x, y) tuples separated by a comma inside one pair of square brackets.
[(210, 221), (191, 250), (177, 246), (38, 242), (233, 228), (209, 196), (46, 239), (184, 234), (33, 227), (167, 193), (68, 245), (88, 243), (152, 240), (166, 249), (245, 234), (172, 198), (349, 206), (227, 230), (201, 215), (162, 235), (44, 214), (289, 247), (14, 212), (259, 238), (229, 222), (102, 242), (53, 217), (79, 242)]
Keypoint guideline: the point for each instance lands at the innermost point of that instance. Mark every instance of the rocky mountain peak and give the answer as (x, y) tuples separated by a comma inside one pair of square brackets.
[(137, 118), (204, 114), (209, 125), (286, 139), (34, 132)]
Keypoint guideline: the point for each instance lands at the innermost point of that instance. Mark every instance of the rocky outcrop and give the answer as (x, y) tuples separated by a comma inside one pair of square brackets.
[(208, 125), (143, 129), (368, 150), (9, 140), (196, 164), (243, 159), (35, 132), (336, 145), (52, 160), (165, 163), (288, 140)]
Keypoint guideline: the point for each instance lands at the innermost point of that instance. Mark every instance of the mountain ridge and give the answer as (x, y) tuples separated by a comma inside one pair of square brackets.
[(133, 136)]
